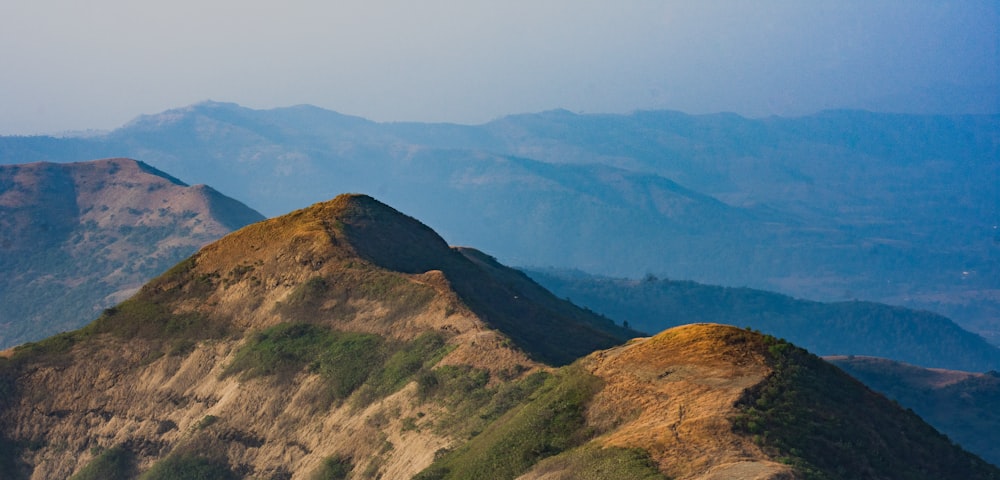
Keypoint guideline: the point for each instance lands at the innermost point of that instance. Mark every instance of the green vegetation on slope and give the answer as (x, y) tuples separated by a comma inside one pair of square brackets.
[(470, 401), (333, 468), (592, 462), (189, 467), (550, 422), (401, 363), (827, 425), (112, 464), (347, 361)]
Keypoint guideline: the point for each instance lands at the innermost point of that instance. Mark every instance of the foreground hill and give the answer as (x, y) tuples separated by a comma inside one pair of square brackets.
[(348, 340), (79, 237), (839, 328), (707, 402), (288, 342), (961, 405), (964, 405), (899, 209)]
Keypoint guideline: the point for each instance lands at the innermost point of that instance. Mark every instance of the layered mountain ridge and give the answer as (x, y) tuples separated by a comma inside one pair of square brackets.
[(840, 205), (348, 339)]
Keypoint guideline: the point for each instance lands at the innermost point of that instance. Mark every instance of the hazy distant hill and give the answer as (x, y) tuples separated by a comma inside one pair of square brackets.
[(963, 405), (833, 206), (347, 340), (79, 237), (840, 328)]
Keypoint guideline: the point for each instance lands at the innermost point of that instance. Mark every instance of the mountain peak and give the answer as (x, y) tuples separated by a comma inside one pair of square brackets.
[(387, 237), (355, 257)]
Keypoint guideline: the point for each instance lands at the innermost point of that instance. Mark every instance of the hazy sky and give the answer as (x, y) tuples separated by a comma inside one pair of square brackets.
[(70, 64)]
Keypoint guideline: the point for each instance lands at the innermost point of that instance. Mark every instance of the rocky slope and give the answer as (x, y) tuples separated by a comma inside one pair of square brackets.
[(78, 237)]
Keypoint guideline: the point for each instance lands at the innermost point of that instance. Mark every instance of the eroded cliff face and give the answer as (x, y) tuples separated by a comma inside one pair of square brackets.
[(263, 427)]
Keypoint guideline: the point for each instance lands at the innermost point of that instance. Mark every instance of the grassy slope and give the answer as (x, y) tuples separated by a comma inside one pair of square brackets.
[(548, 425)]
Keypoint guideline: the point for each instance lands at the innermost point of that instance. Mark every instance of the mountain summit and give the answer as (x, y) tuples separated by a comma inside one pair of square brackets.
[(353, 253)]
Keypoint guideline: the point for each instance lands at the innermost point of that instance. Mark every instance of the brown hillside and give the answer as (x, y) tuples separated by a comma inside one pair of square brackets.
[(78, 237), (225, 356), (673, 395), (709, 401), (355, 240)]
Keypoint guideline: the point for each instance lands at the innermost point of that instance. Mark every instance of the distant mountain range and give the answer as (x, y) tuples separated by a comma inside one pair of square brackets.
[(79, 237), (347, 340), (840, 205)]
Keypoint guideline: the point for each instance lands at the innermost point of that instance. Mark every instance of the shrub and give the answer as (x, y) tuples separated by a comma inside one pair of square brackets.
[(333, 468), (112, 464), (403, 362), (282, 349), (189, 467)]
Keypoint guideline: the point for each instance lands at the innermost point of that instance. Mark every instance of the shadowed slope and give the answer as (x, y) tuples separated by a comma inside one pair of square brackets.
[(963, 405), (547, 328)]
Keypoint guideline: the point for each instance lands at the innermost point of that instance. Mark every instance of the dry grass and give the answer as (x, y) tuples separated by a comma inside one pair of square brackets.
[(110, 391), (672, 395)]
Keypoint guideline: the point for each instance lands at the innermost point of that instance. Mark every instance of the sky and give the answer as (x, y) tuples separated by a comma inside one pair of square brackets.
[(73, 65)]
